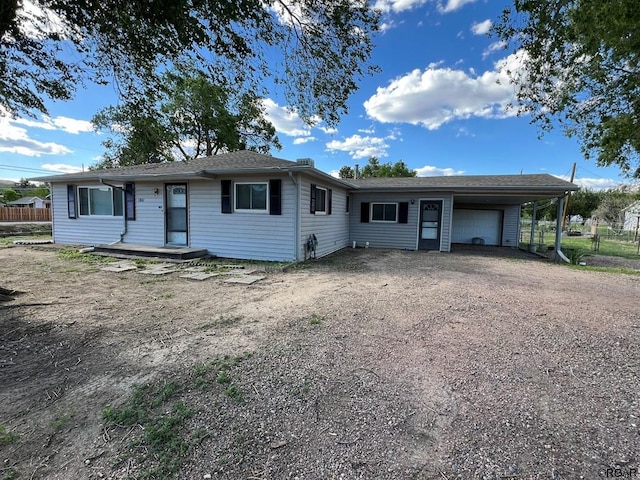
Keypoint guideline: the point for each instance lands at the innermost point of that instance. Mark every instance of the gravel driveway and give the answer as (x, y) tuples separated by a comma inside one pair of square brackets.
[(366, 364)]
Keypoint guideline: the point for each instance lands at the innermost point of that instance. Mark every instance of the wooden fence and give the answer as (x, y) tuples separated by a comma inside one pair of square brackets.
[(19, 214)]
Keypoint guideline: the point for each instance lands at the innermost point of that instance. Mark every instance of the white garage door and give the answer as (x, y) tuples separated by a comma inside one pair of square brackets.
[(468, 224)]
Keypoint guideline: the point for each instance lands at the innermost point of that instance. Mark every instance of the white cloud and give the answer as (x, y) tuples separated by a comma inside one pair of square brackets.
[(35, 20), (494, 47), (335, 173), (61, 167), (301, 140), (431, 171), (368, 131), (16, 140), (65, 124), (437, 95), (481, 28), (328, 130), (396, 6), (285, 120), (360, 147), (593, 183), (453, 5)]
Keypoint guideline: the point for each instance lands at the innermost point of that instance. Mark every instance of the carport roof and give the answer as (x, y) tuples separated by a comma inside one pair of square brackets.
[(466, 182)]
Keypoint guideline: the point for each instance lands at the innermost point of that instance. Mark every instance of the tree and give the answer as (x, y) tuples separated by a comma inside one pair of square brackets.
[(191, 118), (317, 51), (581, 66), (611, 207), (347, 172), (376, 169), (9, 195), (583, 203)]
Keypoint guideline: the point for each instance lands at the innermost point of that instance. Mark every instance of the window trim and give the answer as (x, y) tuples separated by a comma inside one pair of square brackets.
[(264, 211), (371, 219), (325, 206), (98, 187)]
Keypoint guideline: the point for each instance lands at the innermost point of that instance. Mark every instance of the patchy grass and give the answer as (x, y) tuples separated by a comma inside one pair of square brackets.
[(7, 437), (613, 248), (73, 254), (8, 241), (627, 271), (221, 321), (162, 410), (316, 319)]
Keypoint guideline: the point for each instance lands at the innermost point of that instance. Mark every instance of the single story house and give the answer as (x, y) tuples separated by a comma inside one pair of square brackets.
[(632, 217), (28, 202), (251, 206)]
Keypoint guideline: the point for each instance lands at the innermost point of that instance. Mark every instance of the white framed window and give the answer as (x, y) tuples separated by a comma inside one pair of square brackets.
[(251, 196), (384, 212), (321, 201), (100, 201)]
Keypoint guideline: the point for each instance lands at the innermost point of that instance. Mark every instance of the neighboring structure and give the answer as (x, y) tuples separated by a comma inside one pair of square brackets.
[(28, 202), (253, 206), (632, 217)]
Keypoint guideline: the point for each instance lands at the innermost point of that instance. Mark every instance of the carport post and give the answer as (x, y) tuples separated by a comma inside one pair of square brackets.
[(532, 247), (559, 256)]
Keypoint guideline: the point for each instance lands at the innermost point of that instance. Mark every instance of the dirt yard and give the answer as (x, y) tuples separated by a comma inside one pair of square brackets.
[(367, 364)]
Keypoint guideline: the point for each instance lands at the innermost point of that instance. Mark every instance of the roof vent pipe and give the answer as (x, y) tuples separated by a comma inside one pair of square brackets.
[(356, 171)]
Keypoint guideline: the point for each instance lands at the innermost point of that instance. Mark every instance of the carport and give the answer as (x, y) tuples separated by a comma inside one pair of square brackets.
[(436, 212)]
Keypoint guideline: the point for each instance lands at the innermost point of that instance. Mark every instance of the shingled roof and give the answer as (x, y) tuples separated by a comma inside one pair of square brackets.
[(234, 161), (466, 182)]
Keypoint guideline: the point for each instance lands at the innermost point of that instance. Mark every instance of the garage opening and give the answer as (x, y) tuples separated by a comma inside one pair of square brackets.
[(477, 227)]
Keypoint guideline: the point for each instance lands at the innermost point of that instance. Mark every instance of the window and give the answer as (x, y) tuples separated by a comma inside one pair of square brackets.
[(384, 212), (100, 201), (320, 200), (251, 196)]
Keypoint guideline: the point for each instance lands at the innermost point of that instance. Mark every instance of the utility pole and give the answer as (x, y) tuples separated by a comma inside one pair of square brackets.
[(566, 200)]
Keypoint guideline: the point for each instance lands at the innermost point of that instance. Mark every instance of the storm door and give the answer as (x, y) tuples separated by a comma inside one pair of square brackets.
[(430, 223), (176, 221)]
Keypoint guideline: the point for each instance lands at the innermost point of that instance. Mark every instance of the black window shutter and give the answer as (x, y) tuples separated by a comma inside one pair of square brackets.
[(71, 201), (329, 195), (403, 212), (130, 201), (364, 212), (312, 203), (225, 198), (275, 197)]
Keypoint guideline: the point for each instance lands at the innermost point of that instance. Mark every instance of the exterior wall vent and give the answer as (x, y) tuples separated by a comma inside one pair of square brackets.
[(305, 161)]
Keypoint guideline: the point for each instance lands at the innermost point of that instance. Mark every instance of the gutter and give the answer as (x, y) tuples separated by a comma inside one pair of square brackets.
[(124, 214)]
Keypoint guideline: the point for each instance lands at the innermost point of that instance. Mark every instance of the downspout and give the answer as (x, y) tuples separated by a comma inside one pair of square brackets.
[(559, 213), (296, 222), (124, 214)]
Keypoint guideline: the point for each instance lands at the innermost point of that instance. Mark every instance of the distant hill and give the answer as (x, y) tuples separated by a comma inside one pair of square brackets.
[(7, 183)]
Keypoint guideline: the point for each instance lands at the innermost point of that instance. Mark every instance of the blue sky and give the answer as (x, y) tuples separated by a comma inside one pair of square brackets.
[(438, 104)]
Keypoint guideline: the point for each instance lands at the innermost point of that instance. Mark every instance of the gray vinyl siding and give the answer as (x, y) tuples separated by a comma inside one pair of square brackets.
[(84, 230), (148, 227), (245, 235), (332, 231), (397, 235), (511, 226)]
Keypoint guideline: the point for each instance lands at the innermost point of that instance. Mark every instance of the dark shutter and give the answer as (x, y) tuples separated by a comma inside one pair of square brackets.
[(312, 203), (329, 195), (364, 212), (71, 201), (225, 197), (130, 201), (275, 197), (348, 202), (403, 212)]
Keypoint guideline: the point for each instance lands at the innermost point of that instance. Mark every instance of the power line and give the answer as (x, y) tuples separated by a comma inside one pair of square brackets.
[(24, 169)]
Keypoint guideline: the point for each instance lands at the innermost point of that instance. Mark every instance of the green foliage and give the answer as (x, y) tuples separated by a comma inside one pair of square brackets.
[(70, 253), (9, 195), (347, 172), (315, 319), (376, 169), (189, 115), (611, 207), (7, 437), (581, 67), (315, 51), (583, 202)]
